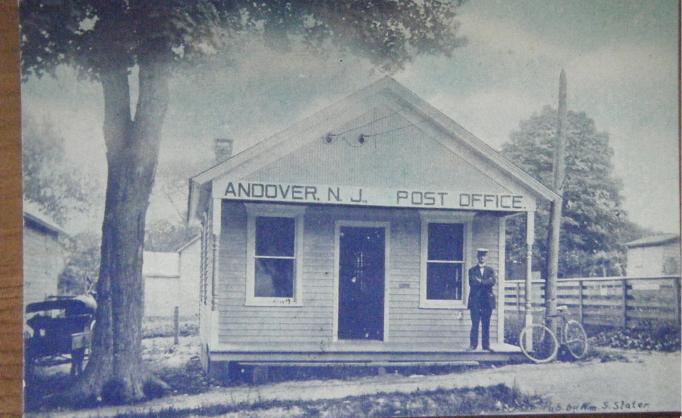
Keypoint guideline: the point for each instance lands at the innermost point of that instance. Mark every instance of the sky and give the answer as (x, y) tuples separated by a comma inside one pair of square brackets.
[(620, 58)]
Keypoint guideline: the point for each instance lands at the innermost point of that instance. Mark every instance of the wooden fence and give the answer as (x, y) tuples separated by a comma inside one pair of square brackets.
[(607, 301)]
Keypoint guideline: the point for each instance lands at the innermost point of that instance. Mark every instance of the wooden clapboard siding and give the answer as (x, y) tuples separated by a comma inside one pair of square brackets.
[(404, 154), (44, 260), (312, 322)]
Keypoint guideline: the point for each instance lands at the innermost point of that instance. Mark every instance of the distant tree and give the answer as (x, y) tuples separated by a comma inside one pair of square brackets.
[(82, 264), (594, 225), (56, 186), (164, 235), (105, 39)]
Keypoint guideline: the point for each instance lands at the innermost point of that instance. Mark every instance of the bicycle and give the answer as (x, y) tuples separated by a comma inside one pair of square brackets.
[(540, 345)]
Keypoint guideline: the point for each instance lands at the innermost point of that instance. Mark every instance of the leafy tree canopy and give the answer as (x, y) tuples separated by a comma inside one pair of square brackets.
[(594, 224), (95, 35)]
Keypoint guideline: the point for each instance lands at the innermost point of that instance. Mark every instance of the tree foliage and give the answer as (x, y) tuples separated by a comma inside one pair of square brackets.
[(166, 236), (57, 187), (94, 35), (82, 264), (594, 225)]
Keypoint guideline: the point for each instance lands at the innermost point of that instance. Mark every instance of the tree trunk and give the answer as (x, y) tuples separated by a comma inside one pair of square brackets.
[(132, 155)]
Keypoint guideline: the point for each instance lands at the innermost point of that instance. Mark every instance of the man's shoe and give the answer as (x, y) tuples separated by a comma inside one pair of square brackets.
[(488, 349), (471, 348)]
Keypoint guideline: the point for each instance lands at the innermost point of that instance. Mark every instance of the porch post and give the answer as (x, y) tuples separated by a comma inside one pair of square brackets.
[(530, 238), (501, 291), (216, 228)]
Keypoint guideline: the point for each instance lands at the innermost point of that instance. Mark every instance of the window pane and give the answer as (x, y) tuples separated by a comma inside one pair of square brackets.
[(274, 277), (275, 236), (446, 242), (444, 281)]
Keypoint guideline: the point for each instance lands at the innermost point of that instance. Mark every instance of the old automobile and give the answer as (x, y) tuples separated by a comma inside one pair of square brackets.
[(59, 329)]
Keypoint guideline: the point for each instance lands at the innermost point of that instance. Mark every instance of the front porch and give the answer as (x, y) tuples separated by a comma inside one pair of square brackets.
[(225, 359)]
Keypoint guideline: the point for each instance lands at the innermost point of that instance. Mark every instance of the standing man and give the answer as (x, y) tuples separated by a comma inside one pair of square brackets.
[(481, 299)]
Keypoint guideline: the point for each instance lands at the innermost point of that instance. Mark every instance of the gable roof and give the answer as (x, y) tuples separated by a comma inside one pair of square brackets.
[(652, 240), (386, 89)]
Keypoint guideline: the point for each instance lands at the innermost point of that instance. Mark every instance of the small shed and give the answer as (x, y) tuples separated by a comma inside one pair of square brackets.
[(161, 271), (654, 255), (43, 253), (189, 255), (347, 237), (172, 280)]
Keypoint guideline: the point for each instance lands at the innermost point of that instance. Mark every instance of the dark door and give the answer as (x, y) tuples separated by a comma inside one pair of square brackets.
[(361, 283)]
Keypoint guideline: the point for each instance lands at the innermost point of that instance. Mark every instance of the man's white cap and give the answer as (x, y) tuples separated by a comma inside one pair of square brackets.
[(481, 251)]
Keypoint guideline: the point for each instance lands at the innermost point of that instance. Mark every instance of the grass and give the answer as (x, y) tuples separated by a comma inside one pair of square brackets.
[(497, 399), (163, 327)]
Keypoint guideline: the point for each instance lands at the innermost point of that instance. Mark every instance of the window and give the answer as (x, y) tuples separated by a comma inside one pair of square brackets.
[(274, 235), (444, 251), (445, 261)]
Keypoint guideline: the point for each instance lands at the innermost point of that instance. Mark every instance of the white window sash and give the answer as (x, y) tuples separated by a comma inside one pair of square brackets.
[(279, 211), (429, 217)]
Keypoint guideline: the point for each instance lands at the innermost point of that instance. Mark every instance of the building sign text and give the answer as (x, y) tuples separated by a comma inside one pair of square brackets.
[(366, 196)]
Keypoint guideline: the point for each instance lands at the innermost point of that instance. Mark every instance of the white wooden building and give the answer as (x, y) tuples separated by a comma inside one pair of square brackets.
[(171, 279), (44, 256), (654, 255), (347, 237)]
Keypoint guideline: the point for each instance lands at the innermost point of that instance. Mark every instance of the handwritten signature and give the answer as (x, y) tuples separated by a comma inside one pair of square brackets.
[(620, 405)]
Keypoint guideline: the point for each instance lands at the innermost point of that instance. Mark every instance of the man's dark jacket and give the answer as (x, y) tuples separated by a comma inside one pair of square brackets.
[(481, 294)]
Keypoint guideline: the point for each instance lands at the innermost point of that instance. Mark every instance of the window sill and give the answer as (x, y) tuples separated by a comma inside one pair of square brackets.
[(274, 302), (438, 304)]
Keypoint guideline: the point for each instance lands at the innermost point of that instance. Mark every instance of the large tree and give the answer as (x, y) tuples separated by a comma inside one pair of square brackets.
[(594, 224), (105, 39)]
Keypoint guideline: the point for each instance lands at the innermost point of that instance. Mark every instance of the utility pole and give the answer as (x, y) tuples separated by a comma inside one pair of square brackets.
[(556, 205)]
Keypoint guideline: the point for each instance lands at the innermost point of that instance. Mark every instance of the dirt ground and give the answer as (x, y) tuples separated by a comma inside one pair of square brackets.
[(637, 382)]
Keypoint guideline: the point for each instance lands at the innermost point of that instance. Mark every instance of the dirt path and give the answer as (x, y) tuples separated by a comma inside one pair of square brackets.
[(647, 382)]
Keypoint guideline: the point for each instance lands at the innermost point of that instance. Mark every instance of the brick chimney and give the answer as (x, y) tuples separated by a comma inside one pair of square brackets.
[(222, 149)]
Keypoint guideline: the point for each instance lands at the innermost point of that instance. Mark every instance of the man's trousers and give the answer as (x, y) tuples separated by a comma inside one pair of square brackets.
[(481, 315)]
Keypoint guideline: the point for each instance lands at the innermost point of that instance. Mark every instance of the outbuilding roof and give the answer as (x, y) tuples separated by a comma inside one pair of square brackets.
[(387, 90), (161, 264), (188, 243), (652, 240), (34, 214)]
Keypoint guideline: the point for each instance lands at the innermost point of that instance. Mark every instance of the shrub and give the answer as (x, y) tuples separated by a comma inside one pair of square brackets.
[(652, 338)]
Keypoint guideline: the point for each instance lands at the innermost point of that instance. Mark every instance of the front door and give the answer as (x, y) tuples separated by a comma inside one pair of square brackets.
[(361, 283)]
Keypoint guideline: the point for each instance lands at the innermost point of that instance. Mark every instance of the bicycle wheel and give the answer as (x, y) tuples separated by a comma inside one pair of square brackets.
[(575, 339), (538, 343)]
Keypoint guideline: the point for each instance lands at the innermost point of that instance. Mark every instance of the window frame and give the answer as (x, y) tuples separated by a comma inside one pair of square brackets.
[(463, 218), (254, 211)]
